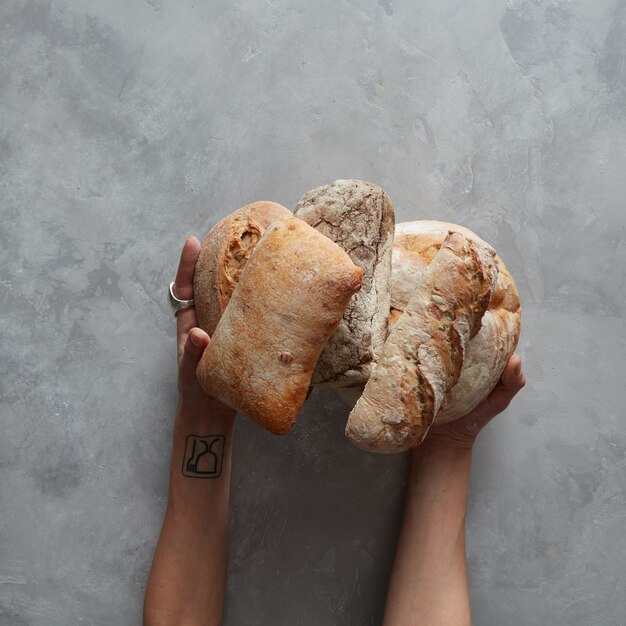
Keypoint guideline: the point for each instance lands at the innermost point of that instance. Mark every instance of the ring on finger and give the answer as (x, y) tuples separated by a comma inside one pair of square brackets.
[(176, 303)]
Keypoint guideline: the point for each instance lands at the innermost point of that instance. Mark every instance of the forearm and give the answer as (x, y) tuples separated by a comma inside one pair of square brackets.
[(428, 585), (188, 576)]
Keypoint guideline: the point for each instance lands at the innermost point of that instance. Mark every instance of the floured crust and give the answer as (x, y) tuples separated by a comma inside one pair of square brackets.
[(489, 351), (359, 217), (423, 355), (415, 246), (224, 253), (289, 299)]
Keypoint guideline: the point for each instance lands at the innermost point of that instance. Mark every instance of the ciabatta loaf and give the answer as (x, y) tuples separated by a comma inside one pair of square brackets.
[(423, 355), (359, 217), (224, 253), (289, 299)]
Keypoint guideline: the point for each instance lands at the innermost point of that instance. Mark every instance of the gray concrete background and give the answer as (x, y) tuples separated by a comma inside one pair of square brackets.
[(126, 126)]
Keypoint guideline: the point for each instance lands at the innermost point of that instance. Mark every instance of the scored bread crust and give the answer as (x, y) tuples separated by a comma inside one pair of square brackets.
[(415, 245), (423, 355), (289, 299), (489, 351), (224, 253), (359, 217)]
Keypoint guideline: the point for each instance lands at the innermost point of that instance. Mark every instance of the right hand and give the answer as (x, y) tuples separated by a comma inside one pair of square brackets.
[(462, 433)]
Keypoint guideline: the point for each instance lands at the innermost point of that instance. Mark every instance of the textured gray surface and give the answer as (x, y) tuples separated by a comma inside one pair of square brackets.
[(126, 125)]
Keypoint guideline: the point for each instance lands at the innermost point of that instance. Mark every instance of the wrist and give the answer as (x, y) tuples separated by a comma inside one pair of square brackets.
[(441, 452), (449, 439), (203, 415), (201, 452), (189, 423)]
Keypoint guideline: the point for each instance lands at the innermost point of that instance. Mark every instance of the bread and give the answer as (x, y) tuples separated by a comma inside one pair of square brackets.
[(423, 355), (414, 247), (224, 253), (359, 217), (289, 299), (489, 351)]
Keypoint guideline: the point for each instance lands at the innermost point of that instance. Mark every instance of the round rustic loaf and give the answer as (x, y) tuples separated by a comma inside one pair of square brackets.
[(415, 245)]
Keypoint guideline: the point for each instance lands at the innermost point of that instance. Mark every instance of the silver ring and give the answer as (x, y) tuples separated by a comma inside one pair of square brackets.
[(176, 303)]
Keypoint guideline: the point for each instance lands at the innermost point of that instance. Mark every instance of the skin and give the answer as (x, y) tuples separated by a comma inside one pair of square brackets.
[(428, 584), (187, 580)]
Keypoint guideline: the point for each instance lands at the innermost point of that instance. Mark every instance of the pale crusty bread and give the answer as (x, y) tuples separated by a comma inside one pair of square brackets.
[(359, 217), (289, 299), (487, 352), (415, 245), (225, 251), (423, 355)]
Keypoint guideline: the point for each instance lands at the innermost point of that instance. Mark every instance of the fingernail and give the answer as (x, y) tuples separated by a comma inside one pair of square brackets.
[(195, 339)]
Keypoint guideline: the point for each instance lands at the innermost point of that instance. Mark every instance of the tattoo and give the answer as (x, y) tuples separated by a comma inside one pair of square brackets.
[(203, 456)]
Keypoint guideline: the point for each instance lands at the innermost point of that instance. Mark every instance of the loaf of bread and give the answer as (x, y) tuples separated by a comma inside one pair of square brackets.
[(289, 299), (415, 244), (487, 352), (359, 217), (423, 355), (225, 251)]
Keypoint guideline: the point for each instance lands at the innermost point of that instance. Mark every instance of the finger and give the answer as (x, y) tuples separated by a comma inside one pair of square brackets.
[(500, 398), (183, 287), (196, 343), (513, 377), (511, 381)]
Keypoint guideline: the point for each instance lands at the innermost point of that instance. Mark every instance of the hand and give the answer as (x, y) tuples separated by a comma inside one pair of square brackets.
[(192, 342), (462, 432)]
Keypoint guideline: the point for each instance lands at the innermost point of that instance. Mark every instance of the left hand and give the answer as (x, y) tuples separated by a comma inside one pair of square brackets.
[(192, 341)]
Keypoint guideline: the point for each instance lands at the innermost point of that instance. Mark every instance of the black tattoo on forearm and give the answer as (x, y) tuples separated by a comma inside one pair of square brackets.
[(203, 456)]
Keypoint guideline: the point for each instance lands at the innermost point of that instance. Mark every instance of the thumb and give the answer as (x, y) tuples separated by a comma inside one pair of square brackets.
[(196, 343), (513, 378), (510, 383)]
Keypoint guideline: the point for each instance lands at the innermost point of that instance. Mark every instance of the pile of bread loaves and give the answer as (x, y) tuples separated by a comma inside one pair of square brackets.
[(411, 323)]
